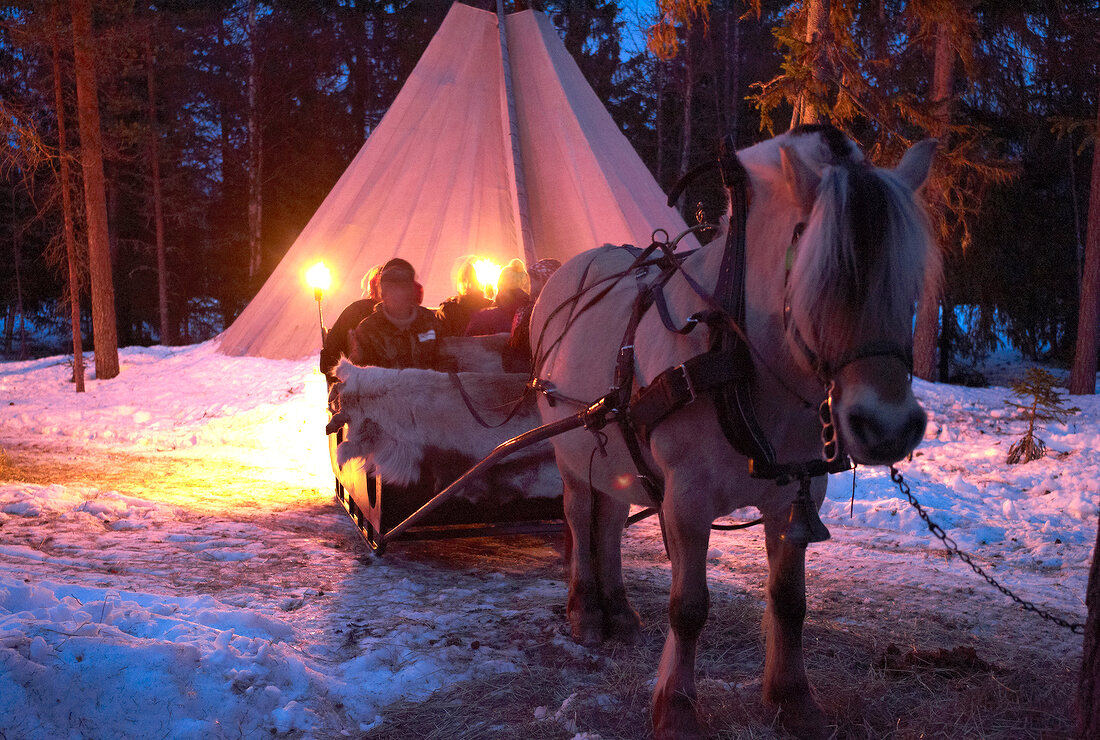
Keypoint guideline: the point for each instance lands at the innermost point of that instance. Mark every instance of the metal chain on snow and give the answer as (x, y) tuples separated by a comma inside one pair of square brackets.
[(895, 475)]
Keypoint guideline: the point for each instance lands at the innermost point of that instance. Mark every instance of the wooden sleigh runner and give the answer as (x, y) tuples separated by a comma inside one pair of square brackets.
[(413, 462)]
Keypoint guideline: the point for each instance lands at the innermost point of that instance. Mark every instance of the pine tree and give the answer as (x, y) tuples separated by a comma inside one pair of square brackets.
[(72, 258), (105, 330), (1082, 378), (1046, 404)]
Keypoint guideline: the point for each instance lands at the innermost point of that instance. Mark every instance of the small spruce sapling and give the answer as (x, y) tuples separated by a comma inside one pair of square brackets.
[(1042, 403)]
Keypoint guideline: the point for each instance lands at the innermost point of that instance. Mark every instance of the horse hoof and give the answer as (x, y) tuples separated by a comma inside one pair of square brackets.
[(674, 718), (623, 626), (586, 627), (804, 720), (585, 616), (587, 635)]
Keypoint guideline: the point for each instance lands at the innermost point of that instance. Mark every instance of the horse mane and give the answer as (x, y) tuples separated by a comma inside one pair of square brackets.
[(863, 256)]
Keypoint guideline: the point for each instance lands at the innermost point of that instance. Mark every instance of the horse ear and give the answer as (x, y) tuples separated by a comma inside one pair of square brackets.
[(917, 163), (801, 180)]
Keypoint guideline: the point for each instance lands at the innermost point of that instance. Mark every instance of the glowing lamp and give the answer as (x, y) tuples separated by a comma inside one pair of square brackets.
[(487, 272), (320, 279)]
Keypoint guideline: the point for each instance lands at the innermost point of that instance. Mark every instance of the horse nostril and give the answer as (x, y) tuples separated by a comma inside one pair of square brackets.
[(914, 426), (865, 427)]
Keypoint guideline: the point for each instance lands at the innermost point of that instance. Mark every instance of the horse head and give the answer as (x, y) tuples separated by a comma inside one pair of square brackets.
[(859, 266)]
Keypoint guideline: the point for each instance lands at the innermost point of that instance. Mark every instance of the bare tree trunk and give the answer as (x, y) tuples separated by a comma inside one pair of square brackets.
[(17, 252), (689, 97), (223, 117), (166, 334), (659, 124), (1088, 687), (229, 173), (817, 21), (129, 331), (104, 330), (67, 210), (733, 72), (924, 336), (947, 337), (1082, 377), (1076, 210), (9, 329), (255, 162)]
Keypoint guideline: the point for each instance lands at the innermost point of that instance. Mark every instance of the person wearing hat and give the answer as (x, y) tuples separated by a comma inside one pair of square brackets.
[(400, 332), (337, 344), (517, 353)]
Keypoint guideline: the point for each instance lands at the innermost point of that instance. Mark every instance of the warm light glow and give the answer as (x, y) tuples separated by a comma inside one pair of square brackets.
[(488, 272), (318, 277), (623, 481)]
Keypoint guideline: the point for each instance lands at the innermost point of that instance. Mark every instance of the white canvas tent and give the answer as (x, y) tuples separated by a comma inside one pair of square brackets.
[(443, 176)]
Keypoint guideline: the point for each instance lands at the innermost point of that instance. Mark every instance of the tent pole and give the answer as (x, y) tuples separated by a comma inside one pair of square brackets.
[(526, 236)]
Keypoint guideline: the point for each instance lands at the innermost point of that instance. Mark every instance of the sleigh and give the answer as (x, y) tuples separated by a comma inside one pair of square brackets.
[(419, 454)]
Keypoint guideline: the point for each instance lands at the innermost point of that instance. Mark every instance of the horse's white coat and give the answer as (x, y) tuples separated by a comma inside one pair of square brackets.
[(794, 179)]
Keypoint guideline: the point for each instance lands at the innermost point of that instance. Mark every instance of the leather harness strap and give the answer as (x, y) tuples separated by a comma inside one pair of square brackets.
[(733, 401), (727, 366), (725, 370), (679, 386)]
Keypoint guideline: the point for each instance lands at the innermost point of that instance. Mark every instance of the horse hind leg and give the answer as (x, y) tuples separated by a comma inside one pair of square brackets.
[(583, 605), (620, 621), (785, 683)]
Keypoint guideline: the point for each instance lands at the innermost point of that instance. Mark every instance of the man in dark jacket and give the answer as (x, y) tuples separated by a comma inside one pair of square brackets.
[(336, 340), (400, 332)]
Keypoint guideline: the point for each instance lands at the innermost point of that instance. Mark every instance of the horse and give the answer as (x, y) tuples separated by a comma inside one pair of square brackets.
[(836, 254)]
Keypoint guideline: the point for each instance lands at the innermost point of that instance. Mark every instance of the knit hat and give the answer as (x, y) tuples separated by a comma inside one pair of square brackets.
[(543, 269), (397, 270)]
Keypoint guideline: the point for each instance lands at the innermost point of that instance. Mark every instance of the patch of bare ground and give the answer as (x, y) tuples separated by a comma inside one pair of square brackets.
[(1022, 696), (910, 673), (905, 649), (894, 662)]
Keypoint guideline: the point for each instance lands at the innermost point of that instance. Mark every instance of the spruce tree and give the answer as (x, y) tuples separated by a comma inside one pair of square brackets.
[(1045, 404)]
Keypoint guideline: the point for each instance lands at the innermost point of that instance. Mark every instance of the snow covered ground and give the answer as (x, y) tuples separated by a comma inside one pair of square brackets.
[(173, 564)]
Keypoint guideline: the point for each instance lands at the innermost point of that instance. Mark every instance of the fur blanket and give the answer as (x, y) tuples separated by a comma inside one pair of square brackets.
[(476, 354), (409, 425)]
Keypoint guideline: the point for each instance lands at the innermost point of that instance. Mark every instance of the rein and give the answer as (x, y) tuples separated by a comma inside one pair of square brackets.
[(516, 404)]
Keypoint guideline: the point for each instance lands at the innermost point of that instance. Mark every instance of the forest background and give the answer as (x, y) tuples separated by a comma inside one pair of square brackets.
[(226, 122)]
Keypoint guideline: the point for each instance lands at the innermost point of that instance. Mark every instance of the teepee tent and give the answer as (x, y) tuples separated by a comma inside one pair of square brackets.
[(495, 146)]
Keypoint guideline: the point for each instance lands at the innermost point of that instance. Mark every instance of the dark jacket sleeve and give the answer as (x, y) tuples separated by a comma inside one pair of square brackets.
[(336, 341)]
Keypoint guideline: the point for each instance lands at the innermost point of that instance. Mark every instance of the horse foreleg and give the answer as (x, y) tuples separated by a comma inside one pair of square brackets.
[(583, 605), (620, 621), (687, 538), (785, 682)]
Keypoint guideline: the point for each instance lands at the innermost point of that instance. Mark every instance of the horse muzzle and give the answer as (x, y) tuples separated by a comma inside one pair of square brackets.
[(876, 413)]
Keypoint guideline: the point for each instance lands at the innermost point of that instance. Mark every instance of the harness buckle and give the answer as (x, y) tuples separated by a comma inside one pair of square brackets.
[(687, 383), (546, 388)]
